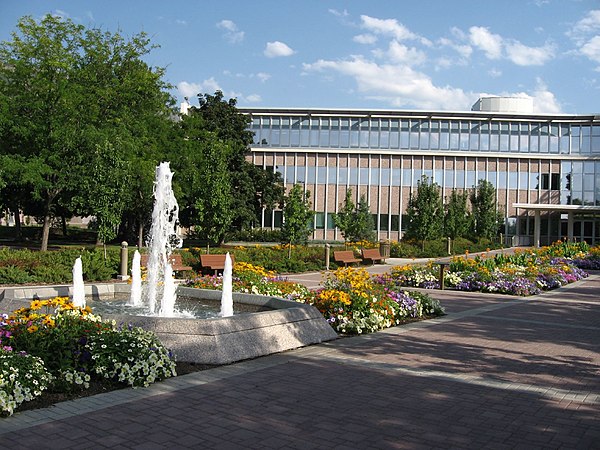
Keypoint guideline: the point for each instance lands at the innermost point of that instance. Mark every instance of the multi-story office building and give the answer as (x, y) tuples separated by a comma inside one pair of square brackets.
[(545, 167)]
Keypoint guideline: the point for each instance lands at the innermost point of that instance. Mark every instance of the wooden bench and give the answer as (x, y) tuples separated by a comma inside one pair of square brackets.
[(372, 254), (214, 262), (345, 256), (176, 262)]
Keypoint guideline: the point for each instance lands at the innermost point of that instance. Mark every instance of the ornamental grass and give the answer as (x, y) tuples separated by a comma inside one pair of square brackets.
[(56, 346)]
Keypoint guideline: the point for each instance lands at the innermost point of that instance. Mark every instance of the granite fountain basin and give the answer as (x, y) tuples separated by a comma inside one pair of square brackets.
[(285, 326)]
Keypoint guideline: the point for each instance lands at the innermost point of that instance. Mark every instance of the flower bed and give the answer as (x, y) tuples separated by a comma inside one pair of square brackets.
[(56, 346), (351, 300), (526, 272)]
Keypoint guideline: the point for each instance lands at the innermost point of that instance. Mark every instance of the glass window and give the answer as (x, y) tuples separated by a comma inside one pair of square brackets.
[(319, 221), (343, 176), (414, 134), (495, 136), (354, 136), (485, 136)]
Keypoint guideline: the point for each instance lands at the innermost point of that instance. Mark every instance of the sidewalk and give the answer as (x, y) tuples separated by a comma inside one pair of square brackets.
[(495, 372)]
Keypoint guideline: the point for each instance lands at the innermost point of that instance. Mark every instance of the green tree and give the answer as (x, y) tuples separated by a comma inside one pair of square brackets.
[(457, 220), (68, 91), (425, 212), (355, 221), (252, 188), (297, 214), (486, 217)]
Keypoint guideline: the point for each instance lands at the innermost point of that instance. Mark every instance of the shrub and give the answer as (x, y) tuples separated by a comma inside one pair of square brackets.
[(23, 377), (77, 346), (130, 355)]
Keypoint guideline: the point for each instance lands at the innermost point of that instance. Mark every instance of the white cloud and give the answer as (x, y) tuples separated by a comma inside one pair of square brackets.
[(366, 38), (544, 101), (494, 73), (397, 85), (337, 13), (191, 90), (496, 47), (586, 26), (490, 43), (276, 49), (400, 53), (529, 56), (263, 76), (591, 49), (253, 98), (387, 27), (180, 22), (232, 33), (464, 51)]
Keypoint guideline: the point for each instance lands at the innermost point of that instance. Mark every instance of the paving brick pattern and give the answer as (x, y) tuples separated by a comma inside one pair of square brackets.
[(496, 372)]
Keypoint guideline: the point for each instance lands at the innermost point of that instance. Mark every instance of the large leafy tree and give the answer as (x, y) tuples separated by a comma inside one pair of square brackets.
[(486, 217), (355, 221), (67, 92), (297, 214), (457, 220), (425, 212), (252, 188)]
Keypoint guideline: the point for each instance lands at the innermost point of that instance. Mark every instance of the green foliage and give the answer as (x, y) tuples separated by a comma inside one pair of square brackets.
[(457, 220), (69, 91), (355, 221), (76, 346), (425, 212), (255, 235), (130, 355), (24, 377), (26, 266), (486, 218), (297, 214), (251, 188)]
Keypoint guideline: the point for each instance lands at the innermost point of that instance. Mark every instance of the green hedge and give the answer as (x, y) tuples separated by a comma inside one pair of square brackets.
[(29, 266)]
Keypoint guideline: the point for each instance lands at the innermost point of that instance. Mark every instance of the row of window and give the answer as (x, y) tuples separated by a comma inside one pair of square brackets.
[(395, 222), (364, 176), (421, 134)]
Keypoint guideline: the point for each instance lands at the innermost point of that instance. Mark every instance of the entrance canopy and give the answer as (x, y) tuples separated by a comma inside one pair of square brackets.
[(570, 210)]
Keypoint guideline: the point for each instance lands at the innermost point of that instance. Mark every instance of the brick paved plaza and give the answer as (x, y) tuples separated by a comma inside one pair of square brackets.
[(495, 372)]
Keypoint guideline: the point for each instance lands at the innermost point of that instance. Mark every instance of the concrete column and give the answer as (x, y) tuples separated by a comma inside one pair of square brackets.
[(570, 221), (536, 229), (124, 262)]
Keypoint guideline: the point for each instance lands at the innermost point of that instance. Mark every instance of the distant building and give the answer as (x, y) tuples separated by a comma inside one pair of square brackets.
[(545, 167)]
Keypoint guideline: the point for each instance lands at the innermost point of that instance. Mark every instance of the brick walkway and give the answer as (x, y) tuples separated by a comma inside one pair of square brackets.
[(496, 372)]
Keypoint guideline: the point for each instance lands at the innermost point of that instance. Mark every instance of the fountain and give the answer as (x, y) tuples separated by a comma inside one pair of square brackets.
[(163, 239), (135, 298), (278, 324), (78, 286), (227, 289)]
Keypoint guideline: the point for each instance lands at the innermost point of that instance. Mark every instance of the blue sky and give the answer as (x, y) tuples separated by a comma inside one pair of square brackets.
[(376, 54)]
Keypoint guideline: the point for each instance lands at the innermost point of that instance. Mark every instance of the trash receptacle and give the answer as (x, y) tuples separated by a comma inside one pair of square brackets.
[(384, 249)]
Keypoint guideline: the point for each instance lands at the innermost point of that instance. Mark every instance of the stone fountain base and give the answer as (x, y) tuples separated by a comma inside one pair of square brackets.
[(223, 340)]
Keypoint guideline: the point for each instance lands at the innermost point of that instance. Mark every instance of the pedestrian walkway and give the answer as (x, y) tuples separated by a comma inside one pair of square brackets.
[(495, 372)]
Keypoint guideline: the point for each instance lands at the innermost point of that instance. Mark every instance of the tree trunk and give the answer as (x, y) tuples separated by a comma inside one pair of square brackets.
[(140, 235), (63, 222), (45, 233), (18, 229)]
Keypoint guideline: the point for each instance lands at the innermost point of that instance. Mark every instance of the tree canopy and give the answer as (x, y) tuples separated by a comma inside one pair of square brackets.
[(68, 93), (486, 217), (425, 211), (355, 221), (297, 214)]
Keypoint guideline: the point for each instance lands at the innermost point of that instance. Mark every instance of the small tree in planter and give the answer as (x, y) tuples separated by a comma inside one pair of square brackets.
[(355, 221), (297, 214)]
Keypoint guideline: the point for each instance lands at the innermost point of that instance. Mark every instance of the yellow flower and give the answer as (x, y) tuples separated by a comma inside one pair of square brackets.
[(32, 328), (48, 321)]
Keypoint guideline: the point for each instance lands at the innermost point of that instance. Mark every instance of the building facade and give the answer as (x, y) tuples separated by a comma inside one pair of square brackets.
[(545, 167)]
